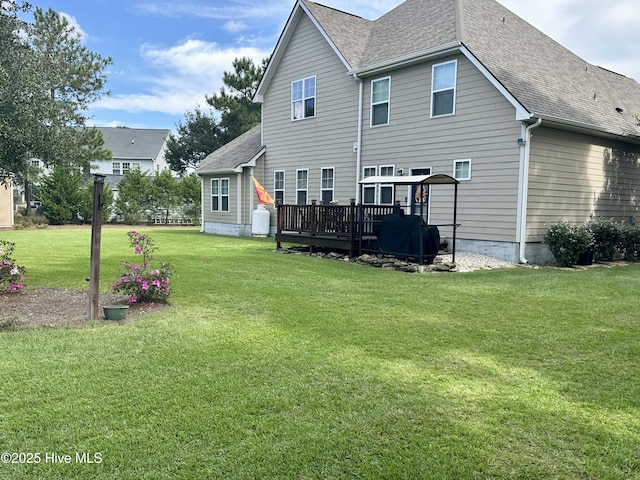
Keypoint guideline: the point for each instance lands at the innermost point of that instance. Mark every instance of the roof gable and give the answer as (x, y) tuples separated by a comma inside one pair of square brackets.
[(242, 150), (411, 27), (540, 77)]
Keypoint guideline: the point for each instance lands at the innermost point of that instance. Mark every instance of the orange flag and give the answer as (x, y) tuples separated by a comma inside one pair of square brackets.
[(263, 196)]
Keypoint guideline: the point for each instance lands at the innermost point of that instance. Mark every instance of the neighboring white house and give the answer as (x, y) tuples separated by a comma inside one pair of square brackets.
[(141, 149), (133, 148), (466, 88)]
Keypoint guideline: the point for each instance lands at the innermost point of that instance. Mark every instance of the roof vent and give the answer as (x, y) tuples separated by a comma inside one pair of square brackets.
[(619, 110)]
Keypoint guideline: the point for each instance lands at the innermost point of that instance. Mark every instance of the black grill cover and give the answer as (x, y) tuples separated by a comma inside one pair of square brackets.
[(400, 236)]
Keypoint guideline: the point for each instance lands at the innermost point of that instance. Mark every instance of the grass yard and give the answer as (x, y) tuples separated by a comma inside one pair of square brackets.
[(272, 366)]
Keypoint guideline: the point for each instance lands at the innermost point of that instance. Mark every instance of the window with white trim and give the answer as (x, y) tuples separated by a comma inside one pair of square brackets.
[(380, 95), (302, 186), (116, 169), (462, 169), (326, 185), (443, 88), (369, 191), (128, 166), (35, 163), (278, 185), (219, 194), (303, 98), (386, 190)]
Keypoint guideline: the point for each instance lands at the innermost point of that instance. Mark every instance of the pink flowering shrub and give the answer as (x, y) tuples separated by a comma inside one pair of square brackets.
[(11, 274), (139, 281)]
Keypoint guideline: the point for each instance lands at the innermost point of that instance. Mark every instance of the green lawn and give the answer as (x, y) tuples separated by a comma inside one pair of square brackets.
[(292, 367)]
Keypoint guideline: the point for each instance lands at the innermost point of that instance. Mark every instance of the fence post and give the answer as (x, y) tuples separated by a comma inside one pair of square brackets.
[(279, 221)]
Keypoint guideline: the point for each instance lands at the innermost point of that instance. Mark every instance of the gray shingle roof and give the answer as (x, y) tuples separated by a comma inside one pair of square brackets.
[(134, 143), (548, 80), (235, 153)]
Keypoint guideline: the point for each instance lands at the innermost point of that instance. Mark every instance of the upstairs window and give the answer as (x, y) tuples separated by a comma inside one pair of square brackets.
[(443, 89), (128, 166), (278, 182), (380, 94), (303, 98), (115, 168)]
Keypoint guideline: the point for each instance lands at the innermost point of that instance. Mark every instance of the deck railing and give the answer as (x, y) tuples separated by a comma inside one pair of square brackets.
[(332, 220)]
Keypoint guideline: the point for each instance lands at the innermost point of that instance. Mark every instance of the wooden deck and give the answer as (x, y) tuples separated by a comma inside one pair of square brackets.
[(351, 228), (342, 227)]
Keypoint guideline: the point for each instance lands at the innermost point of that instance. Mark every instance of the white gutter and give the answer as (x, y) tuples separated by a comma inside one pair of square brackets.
[(524, 188), (359, 138)]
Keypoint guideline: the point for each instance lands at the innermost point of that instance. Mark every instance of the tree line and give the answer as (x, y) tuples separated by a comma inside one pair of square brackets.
[(48, 80), (65, 198)]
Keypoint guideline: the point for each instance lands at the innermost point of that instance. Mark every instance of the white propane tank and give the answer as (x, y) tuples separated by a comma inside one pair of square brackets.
[(260, 220)]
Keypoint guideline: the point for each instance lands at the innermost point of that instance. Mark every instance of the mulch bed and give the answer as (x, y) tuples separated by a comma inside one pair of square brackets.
[(60, 307)]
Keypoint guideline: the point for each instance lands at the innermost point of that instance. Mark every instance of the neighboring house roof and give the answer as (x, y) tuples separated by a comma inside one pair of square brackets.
[(134, 143), (233, 156), (113, 181), (539, 76)]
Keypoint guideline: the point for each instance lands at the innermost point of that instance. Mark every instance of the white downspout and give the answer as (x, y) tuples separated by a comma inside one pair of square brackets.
[(201, 203), (524, 189), (359, 138), (239, 178)]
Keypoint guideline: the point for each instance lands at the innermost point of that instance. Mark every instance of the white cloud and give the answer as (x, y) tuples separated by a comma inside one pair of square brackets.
[(602, 33), (234, 26), (80, 33), (182, 75)]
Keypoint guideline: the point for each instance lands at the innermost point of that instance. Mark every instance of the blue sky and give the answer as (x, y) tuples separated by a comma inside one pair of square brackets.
[(169, 55)]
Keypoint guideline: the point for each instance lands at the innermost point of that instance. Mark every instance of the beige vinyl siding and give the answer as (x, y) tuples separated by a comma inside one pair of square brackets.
[(576, 177), (483, 129), (323, 141), (220, 217)]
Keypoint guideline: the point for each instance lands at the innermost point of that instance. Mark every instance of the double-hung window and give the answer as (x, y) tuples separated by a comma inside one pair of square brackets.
[(443, 88), (380, 94), (303, 98), (386, 190), (278, 182), (369, 191), (115, 168), (326, 185), (302, 186), (219, 194)]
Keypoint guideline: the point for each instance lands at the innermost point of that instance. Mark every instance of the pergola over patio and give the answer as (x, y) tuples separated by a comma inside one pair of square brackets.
[(421, 180)]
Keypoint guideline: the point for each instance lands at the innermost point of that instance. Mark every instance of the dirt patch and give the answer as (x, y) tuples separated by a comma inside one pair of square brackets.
[(60, 307)]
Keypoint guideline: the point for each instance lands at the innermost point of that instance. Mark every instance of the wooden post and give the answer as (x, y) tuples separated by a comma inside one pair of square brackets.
[(96, 230)]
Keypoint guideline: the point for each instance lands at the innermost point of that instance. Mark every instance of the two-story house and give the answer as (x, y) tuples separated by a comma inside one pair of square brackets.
[(533, 132), (132, 148)]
